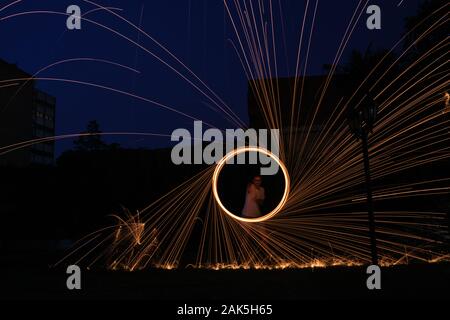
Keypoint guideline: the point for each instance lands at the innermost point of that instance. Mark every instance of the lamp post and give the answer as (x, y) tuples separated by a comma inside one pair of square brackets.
[(361, 120)]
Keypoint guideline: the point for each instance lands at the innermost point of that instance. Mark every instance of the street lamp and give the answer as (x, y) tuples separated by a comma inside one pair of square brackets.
[(361, 120)]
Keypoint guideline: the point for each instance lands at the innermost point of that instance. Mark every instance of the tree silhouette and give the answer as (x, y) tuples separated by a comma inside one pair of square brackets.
[(431, 12), (362, 70), (93, 141)]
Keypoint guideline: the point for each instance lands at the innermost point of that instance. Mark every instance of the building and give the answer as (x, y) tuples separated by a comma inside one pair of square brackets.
[(26, 113), (310, 119), (43, 114), (312, 90)]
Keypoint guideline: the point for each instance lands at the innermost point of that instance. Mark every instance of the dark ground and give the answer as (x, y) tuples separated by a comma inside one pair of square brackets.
[(28, 278)]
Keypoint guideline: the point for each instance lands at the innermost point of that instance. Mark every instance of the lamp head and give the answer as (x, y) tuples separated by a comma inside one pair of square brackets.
[(362, 117)]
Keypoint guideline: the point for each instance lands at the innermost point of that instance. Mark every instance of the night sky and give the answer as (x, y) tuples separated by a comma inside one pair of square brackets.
[(196, 31)]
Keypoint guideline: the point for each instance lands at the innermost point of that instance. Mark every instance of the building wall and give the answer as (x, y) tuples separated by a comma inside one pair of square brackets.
[(284, 98), (24, 115), (43, 114), (15, 115), (309, 119)]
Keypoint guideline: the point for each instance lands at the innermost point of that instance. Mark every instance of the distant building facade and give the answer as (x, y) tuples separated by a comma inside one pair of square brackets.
[(309, 89), (25, 115), (307, 119)]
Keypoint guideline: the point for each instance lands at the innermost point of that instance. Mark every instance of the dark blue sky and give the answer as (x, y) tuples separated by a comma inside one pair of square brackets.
[(194, 30)]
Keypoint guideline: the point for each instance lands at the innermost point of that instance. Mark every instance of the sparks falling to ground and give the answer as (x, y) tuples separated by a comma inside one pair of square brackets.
[(321, 222)]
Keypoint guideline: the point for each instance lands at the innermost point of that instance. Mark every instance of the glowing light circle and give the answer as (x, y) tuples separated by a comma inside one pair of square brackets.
[(236, 152)]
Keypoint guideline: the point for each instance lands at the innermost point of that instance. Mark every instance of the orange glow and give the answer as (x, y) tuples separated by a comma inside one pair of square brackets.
[(243, 150), (447, 103)]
